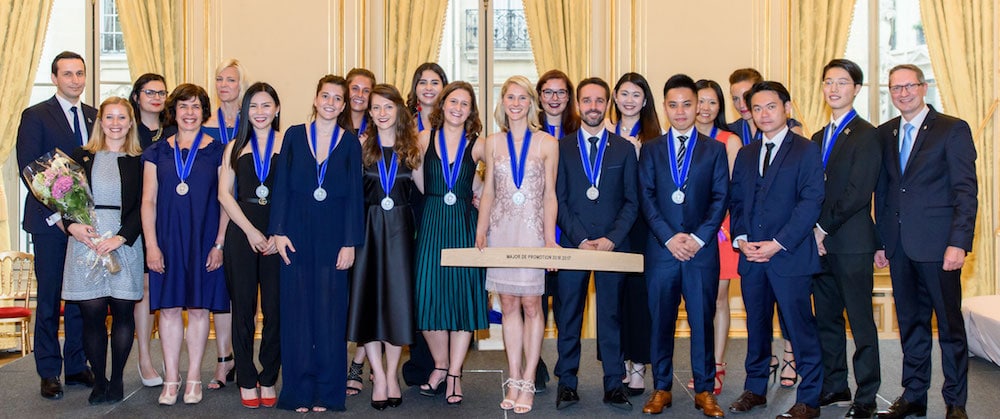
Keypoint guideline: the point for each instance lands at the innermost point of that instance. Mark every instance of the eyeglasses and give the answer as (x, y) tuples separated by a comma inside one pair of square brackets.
[(559, 94), (154, 93), (909, 87), (839, 83)]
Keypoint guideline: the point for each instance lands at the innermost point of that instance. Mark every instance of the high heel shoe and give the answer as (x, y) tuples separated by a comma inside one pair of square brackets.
[(268, 401), (527, 387), (508, 402), (167, 399), (637, 370), (354, 374), (394, 401), (773, 368), (720, 377), (149, 382), (250, 403), (192, 397), (433, 390), (380, 404), (230, 375), (454, 394), (786, 381)]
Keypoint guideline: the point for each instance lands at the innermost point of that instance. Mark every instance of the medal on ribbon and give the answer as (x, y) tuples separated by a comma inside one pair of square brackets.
[(262, 164), (635, 129), (680, 175), (517, 164), (829, 139), (184, 167), (387, 177), (451, 173), (224, 134), (592, 171), (319, 193)]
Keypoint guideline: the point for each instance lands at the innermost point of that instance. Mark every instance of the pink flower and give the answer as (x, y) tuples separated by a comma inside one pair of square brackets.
[(62, 185)]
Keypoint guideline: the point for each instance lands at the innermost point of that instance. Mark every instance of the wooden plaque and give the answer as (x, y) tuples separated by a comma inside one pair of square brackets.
[(543, 257)]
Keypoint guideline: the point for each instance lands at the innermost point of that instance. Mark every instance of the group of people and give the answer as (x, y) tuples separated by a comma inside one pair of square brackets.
[(210, 209)]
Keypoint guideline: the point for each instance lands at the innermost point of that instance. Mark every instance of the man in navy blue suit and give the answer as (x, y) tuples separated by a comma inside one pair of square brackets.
[(776, 196), (62, 122), (925, 211), (684, 191), (596, 188)]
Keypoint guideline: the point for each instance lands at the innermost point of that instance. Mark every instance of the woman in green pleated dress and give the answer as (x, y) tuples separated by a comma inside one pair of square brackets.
[(451, 301)]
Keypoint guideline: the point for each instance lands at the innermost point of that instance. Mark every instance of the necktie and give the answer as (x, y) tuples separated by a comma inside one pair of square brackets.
[(76, 126), (680, 151), (767, 159), (906, 147), (593, 150)]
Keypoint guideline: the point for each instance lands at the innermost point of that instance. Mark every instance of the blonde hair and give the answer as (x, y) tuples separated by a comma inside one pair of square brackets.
[(98, 140), (500, 113), (244, 77)]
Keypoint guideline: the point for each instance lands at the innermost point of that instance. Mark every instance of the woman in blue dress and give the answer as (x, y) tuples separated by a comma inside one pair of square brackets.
[(181, 224), (317, 221)]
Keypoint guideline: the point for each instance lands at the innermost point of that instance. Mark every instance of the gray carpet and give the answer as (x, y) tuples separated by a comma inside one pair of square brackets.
[(482, 387)]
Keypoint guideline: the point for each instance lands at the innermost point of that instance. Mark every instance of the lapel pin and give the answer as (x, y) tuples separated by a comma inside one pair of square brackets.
[(847, 131), (895, 133)]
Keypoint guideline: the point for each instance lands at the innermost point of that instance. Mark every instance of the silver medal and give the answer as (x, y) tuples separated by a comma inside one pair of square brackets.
[(388, 203), (677, 197), (593, 193), (182, 189), (319, 194), (262, 191), (450, 198), (518, 198)]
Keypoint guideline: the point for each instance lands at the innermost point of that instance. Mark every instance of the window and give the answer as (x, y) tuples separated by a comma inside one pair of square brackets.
[(111, 29), (510, 52), (886, 33)]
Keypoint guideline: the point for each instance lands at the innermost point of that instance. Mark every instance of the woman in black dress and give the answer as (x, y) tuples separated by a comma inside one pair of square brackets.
[(250, 257)]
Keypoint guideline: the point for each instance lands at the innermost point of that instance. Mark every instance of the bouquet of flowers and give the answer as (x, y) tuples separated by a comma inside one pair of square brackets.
[(61, 184)]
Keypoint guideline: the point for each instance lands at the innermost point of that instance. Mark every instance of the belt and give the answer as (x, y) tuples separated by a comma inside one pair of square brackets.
[(109, 207), (258, 201)]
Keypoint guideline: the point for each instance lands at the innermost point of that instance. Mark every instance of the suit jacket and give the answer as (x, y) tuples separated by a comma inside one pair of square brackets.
[(784, 205), (851, 174), (130, 171), (705, 201), (43, 128), (932, 205), (612, 214)]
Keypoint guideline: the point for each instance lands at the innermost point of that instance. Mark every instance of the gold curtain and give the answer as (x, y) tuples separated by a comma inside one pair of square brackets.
[(560, 36), (152, 34), (960, 39), (819, 34), (24, 24), (413, 37)]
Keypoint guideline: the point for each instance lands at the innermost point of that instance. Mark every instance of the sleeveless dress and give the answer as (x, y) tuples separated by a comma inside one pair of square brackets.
[(448, 298), (381, 303), (728, 256), (186, 227), (80, 281), (514, 225)]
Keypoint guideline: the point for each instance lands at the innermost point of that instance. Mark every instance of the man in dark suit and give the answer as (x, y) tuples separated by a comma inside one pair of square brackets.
[(925, 210), (62, 122), (845, 235), (596, 188), (684, 192), (775, 200)]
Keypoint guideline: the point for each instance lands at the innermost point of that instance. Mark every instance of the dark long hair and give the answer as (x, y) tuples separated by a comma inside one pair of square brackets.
[(406, 131), (473, 124), (411, 99), (570, 116), (246, 128), (720, 118), (649, 122), (133, 97)]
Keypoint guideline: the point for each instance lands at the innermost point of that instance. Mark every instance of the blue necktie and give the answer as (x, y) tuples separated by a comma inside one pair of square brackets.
[(906, 147), (681, 150), (76, 126), (593, 150)]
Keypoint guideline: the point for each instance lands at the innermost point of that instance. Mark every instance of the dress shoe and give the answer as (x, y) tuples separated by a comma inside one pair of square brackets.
[(566, 397), (902, 408), (51, 388), (85, 377), (956, 412), (747, 402), (659, 400), (618, 399), (860, 410), (839, 399), (800, 411), (706, 402)]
